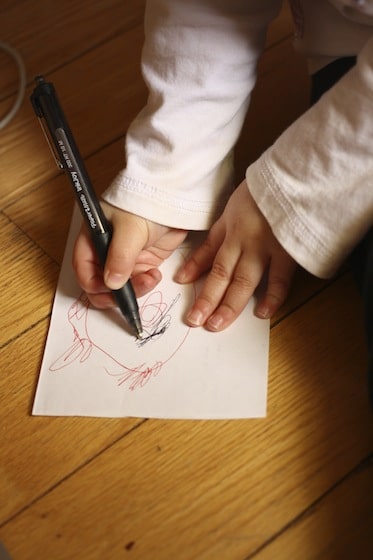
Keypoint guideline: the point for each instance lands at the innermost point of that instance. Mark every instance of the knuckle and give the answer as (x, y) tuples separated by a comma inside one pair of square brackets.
[(278, 287), (91, 281), (203, 253), (101, 301), (208, 243), (231, 310), (220, 272), (91, 285), (117, 257), (244, 283), (280, 282)]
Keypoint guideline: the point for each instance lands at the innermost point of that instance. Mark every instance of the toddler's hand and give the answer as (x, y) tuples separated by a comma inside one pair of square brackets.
[(239, 251), (137, 248)]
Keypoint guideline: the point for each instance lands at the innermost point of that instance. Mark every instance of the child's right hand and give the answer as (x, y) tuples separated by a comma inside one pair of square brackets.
[(137, 249)]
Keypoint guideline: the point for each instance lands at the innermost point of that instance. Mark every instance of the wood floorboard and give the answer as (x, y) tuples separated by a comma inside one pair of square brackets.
[(297, 484), (49, 35), (256, 478)]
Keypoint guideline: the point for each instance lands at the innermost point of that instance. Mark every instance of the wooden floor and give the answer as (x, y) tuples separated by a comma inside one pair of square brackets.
[(296, 485)]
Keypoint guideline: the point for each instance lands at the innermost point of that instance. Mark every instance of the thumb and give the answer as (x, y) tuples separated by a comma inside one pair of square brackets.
[(130, 235)]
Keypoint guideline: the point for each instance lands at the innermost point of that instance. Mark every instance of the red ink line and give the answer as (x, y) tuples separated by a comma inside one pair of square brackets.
[(156, 319)]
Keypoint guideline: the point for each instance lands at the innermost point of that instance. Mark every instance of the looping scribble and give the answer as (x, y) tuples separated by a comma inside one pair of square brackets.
[(82, 346), (156, 317)]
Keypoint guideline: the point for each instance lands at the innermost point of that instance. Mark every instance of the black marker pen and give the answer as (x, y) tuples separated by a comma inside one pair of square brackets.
[(65, 150)]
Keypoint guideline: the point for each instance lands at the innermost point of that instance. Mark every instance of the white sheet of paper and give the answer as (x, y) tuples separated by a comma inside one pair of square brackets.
[(93, 366)]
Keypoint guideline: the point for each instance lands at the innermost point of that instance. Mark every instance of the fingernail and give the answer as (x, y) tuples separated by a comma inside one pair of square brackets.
[(195, 318), (114, 281), (215, 322), (180, 276), (263, 313)]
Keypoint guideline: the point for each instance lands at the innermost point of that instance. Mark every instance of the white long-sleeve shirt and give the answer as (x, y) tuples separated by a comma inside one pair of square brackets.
[(199, 62)]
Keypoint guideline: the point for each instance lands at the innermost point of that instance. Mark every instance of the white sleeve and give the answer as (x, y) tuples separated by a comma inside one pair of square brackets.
[(199, 63), (315, 184)]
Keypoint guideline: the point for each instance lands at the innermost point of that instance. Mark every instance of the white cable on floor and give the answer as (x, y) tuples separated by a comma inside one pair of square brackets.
[(21, 83)]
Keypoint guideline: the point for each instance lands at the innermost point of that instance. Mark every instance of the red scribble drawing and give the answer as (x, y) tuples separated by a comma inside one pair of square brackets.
[(156, 316)]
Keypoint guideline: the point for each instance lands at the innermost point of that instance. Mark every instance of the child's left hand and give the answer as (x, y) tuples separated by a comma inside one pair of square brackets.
[(238, 251)]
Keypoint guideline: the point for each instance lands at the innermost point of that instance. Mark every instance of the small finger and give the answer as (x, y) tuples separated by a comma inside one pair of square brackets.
[(278, 285), (86, 266), (102, 301), (245, 280), (202, 258), (221, 279), (144, 282)]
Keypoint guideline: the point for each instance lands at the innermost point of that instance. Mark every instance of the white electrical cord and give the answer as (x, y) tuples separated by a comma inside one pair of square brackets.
[(21, 83)]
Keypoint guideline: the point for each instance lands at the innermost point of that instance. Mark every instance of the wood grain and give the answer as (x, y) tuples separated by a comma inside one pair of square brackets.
[(28, 282), (220, 489), (297, 484), (338, 526), (112, 73), (39, 452), (51, 34)]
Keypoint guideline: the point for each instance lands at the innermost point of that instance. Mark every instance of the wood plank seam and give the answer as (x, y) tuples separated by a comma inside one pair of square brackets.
[(365, 463), (71, 473)]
